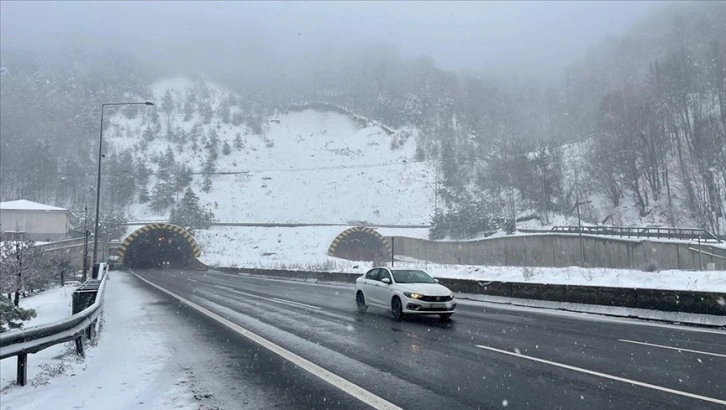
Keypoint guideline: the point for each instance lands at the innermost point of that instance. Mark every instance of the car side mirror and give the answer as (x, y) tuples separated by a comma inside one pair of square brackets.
[(436, 280), (387, 281)]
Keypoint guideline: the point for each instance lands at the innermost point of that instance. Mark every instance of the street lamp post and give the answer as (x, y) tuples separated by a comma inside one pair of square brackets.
[(86, 234), (579, 224), (98, 180)]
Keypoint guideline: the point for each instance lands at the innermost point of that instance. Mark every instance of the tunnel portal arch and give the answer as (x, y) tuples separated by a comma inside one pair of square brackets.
[(158, 246), (361, 244)]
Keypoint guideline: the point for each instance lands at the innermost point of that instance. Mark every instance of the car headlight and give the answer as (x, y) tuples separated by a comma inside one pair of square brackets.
[(452, 296), (413, 295)]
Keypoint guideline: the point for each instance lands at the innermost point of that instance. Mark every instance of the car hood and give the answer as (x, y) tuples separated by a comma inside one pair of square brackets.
[(427, 289)]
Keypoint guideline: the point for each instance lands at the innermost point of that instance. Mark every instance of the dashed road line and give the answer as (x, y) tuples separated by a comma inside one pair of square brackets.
[(297, 304), (607, 376), (345, 385), (672, 348)]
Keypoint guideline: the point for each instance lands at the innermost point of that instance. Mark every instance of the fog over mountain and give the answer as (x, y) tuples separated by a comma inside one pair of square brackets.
[(517, 109), (222, 39)]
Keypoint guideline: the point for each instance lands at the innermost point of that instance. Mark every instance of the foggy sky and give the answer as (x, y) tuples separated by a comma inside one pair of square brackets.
[(497, 38)]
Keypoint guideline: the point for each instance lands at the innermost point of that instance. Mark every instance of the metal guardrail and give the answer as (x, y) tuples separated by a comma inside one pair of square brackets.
[(82, 324), (640, 232)]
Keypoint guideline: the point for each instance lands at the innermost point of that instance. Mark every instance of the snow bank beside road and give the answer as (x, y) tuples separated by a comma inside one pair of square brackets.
[(699, 281), (132, 366), (51, 306)]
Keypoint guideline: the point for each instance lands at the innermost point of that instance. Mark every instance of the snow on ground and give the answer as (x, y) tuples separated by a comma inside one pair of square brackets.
[(132, 365), (306, 167), (50, 306), (700, 281), (302, 248), (305, 248)]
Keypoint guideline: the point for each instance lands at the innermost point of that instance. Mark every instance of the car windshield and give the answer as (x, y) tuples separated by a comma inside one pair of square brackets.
[(412, 276)]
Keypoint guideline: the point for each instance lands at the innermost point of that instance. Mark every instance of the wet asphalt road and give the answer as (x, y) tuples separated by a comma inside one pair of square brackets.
[(486, 356)]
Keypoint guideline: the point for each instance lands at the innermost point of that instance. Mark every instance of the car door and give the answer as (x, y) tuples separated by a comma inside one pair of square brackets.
[(369, 285), (376, 288), (384, 290)]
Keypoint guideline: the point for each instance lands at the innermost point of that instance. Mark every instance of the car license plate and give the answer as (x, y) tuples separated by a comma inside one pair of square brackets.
[(438, 306)]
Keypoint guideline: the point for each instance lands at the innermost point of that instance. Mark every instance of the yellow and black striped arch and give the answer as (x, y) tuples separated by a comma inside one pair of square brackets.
[(169, 227), (338, 239)]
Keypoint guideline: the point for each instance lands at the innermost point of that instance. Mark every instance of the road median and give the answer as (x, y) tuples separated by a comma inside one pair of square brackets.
[(684, 301)]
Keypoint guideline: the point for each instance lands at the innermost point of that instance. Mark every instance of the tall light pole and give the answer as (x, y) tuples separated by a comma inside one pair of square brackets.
[(98, 181)]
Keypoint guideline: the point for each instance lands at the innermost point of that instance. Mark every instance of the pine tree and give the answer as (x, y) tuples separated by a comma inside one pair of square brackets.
[(207, 183), (213, 144), (226, 149), (189, 214), (210, 167), (141, 174), (190, 104), (183, 177), (162, 196), (205, 109), (167, 103), (11, 316), (148, 134)]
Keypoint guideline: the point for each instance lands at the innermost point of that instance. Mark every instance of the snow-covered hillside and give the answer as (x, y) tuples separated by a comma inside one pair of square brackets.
[(301, 166)]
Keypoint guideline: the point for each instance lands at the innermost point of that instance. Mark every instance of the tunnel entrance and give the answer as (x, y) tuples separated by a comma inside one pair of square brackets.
[(158, 246), (360, 244)]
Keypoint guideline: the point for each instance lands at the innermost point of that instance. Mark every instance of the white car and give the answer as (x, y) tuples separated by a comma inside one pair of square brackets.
[(405, 292)]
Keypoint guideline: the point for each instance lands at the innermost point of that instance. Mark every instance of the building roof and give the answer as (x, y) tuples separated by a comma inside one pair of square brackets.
[(25, 205)]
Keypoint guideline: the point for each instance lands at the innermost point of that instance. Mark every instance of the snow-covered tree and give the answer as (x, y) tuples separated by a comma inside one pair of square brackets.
[(189, 214)]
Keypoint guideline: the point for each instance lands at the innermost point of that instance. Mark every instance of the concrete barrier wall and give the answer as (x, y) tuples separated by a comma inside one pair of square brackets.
[(561, 250), (73, 250), (653, 299)]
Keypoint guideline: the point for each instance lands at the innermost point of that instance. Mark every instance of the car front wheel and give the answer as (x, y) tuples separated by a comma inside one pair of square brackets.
[(396, 308), (360, 300)]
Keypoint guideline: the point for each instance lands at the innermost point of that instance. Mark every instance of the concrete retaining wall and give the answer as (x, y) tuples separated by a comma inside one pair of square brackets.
[(560, 250)]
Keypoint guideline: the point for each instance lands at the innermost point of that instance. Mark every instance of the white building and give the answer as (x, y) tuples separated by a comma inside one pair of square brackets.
[(32, 220)]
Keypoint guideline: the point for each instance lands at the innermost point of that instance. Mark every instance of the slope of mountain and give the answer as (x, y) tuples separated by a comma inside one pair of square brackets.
[(304, 166)]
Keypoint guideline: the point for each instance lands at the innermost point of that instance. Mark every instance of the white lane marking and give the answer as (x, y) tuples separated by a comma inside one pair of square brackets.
[(586, 316), (335, 285), (269, 299), (298, 304), (551, 311), (321, 310), (607, 376), (347, 386), (672, 348)]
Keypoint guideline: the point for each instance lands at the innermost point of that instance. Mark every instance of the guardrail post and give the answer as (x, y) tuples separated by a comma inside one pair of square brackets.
[(22, 369), (89, 331), (79, 346)]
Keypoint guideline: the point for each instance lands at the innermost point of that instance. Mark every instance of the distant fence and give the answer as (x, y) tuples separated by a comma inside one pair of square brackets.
[(562, 250), (642, 232), (87, 307)]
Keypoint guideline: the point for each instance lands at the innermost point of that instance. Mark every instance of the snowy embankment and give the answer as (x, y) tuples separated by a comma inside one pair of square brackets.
[(304, 166), (133, 364), (50, 306)]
